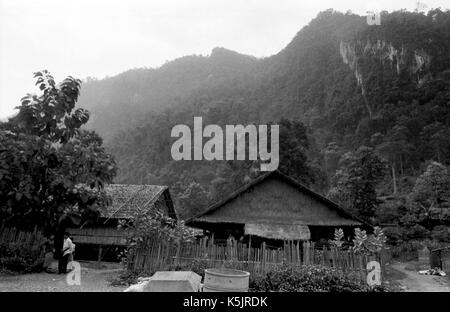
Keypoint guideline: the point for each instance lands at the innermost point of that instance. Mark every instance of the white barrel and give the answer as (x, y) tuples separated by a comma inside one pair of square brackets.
[(226, 280)]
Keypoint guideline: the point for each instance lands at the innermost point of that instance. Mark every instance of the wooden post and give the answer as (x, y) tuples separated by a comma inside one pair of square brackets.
[(324, 258), (100, 249), (177, 255), (249, 248), (306, 255), (213, 252), (263, 260)]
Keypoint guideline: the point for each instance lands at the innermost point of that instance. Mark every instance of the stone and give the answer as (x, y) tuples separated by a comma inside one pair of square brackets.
[(139, 287)]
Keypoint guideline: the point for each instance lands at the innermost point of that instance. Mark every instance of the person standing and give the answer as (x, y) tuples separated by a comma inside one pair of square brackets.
[(68, 248)]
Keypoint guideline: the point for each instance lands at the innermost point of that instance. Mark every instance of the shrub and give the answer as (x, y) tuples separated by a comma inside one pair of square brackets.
[(282, 277), (406, 251), (441, 233), (125, 278), (394, 234), (20, 259), (312, 278), (197, 266), (21, 264)]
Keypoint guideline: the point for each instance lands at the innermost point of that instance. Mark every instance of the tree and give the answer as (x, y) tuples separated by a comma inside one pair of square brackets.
[(432, 188), (331, 155), (293, 148), (156, 225), (437, 137), (52, 115), (430, 197), (394, 148), (51, 172), (191, 198), (294, 144), (354, 184)]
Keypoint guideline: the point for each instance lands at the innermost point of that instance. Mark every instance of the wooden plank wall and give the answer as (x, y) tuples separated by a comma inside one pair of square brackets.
[(99, 236)]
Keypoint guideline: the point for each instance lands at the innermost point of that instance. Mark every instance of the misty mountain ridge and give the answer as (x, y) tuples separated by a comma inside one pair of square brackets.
[(121, 100), (350, 83)]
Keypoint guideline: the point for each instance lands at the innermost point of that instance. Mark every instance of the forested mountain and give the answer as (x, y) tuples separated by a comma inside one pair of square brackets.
[(118, 103), (341, 82)]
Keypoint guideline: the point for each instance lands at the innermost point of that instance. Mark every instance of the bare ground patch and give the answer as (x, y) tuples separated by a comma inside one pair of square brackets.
[(410, 280), (95, 277)]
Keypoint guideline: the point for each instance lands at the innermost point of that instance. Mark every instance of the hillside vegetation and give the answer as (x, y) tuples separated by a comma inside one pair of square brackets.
[(345, 94)]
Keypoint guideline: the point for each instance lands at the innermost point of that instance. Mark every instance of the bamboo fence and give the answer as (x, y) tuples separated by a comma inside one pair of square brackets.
[(155, 255), (14, 239)]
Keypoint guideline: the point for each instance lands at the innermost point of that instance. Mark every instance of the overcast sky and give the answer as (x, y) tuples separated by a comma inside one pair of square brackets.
[(102, 38)]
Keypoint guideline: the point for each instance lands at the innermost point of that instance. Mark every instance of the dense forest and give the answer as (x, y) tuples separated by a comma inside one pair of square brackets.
[(364, 115)]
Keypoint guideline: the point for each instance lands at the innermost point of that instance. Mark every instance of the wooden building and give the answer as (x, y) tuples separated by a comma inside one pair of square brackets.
[(275, 207), (103, 238)]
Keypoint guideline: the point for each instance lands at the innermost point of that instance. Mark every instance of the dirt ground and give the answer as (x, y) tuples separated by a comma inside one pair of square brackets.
[(410, 280), (95, 277)]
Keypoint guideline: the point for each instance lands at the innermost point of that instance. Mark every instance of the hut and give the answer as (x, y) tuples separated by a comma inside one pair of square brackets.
[(275, 207), (103, 239)]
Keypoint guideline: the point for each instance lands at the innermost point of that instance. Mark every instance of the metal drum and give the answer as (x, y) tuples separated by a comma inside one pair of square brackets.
[(226, 280)]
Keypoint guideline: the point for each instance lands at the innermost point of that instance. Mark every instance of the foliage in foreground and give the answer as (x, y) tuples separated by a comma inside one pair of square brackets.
[(313, 278), (20, 260), (153, 225), (45, 156), (281, 278)]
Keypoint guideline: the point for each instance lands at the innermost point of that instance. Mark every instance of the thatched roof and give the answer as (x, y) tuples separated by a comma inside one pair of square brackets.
[(301, 211), (278, 231), (129, 198)]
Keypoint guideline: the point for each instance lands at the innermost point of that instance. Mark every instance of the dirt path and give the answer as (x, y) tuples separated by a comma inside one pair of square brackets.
[(92, 280), (412, 281)]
